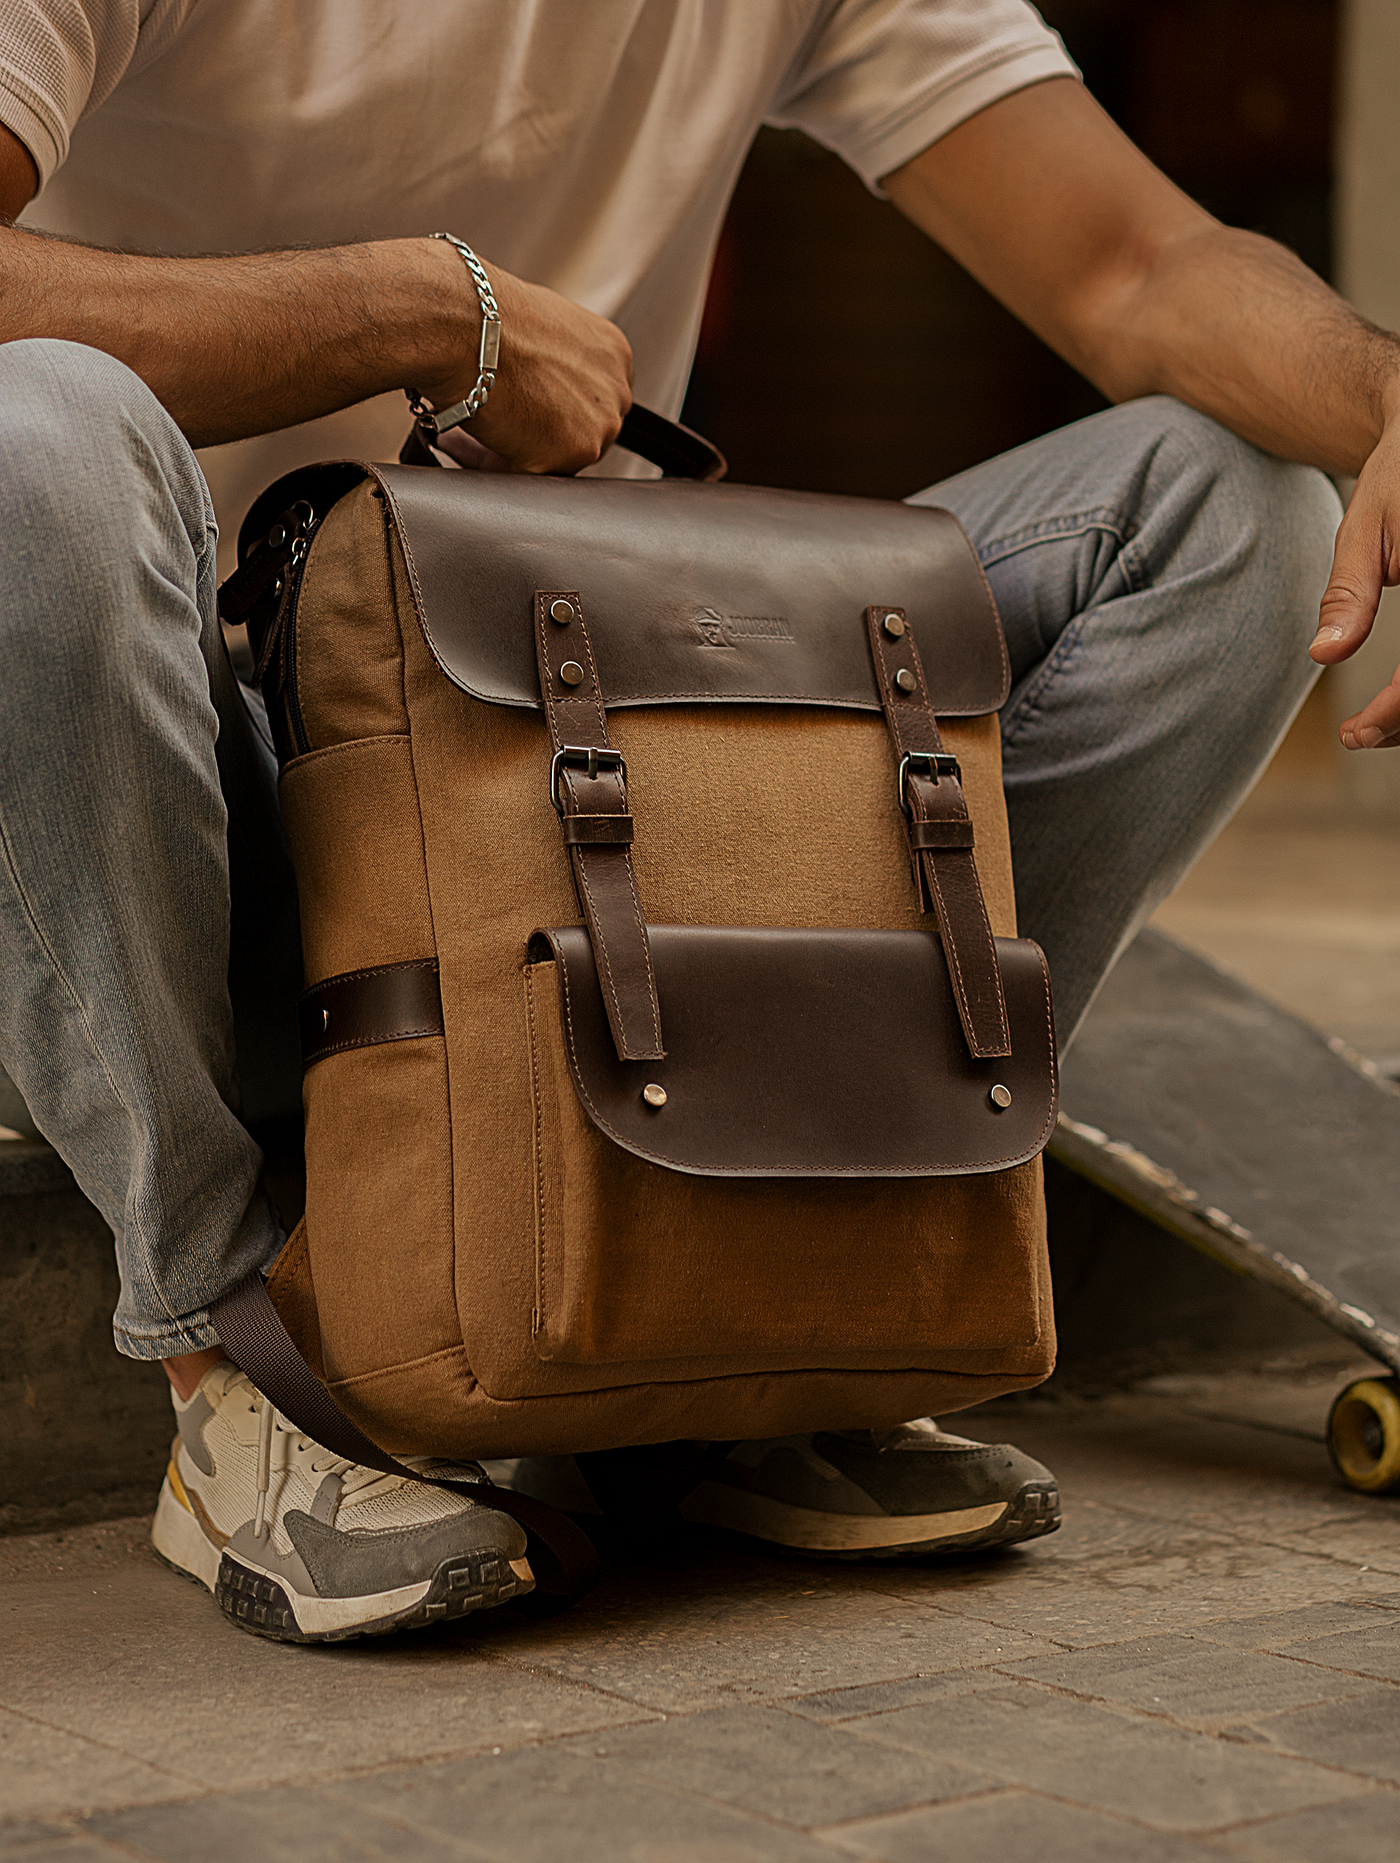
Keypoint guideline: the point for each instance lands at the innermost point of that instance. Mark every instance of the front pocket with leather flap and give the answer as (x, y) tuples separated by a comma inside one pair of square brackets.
[(908, 1236)]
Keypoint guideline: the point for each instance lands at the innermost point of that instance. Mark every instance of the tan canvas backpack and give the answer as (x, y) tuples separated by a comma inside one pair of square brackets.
[(672, 1067)]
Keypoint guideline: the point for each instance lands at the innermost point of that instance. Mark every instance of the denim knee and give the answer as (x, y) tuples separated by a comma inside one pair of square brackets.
[(1268, 523), (100, 496), (86, 444)]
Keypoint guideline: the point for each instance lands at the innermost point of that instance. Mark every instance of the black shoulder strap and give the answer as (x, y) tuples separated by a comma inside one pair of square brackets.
[(250, 1329)]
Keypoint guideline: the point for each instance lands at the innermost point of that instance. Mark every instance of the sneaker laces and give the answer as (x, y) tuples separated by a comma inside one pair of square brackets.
[(355, 1478)]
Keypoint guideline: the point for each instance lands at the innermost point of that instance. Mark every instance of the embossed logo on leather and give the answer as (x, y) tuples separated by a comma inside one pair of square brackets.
[(717, 630)]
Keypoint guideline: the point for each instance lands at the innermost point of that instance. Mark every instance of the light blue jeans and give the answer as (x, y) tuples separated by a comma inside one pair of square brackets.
[(1157, 577)]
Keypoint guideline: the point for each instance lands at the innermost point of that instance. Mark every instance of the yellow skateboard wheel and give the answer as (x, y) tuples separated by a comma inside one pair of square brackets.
[(1363, 1435)]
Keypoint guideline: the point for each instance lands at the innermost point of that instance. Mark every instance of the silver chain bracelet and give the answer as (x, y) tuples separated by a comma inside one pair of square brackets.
[(435, 422)]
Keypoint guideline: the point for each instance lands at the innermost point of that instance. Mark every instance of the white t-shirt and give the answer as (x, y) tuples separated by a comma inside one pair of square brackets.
[(590, 145)]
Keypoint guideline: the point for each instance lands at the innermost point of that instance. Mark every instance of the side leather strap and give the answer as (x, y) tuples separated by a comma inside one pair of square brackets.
[(588, 787), (562, 1556), (940, 833), (360, 1008)]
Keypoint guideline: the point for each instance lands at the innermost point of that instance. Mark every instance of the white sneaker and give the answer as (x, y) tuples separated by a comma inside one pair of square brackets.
[(298, 1544)]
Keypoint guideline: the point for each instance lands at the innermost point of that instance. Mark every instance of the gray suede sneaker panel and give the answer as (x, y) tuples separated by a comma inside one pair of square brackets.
[(932, 1481), (191, 1421), (262, 1553), (326, 1500), (353, 1565)]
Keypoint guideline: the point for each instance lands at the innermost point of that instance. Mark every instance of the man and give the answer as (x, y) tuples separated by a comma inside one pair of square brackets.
[(1158, 567)]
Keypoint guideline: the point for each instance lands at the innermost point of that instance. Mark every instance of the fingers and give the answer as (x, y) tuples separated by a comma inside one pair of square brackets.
[(1378, 726), (465, 450), (1353, 591)]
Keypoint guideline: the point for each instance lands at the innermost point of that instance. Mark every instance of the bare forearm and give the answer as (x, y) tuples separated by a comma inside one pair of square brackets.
[(243, 345), (1045, 200), (1239, 327)]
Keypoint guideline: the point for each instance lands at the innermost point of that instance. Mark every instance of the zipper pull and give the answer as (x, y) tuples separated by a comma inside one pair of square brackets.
[(268, 576)]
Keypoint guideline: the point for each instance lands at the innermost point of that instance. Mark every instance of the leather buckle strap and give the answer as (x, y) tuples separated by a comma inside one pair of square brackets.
[(588, 788), (940, 833)]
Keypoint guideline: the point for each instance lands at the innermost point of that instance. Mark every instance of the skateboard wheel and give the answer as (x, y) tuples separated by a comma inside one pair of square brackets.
[(1363, 1435)]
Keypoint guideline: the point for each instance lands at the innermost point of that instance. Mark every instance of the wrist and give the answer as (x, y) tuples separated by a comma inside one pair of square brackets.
[(434, 421), (440, 319), (1389, 396)]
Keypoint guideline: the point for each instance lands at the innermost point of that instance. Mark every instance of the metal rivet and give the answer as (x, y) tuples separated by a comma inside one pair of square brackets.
[(1000, 1097), (325, 1019), (571, 673), (653, 1094), (905, 680), (277, 536), (562, 612), (894, 626)]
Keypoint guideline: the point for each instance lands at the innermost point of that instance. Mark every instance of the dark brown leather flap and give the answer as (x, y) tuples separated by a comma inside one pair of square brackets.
[(694, 593), (811, 1054)]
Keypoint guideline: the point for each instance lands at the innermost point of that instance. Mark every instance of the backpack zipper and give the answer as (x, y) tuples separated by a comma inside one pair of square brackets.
[(292, 534), (294, 569)]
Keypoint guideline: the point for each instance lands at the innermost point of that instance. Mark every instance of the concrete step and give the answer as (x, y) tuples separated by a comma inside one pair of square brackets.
[(84, 1432)]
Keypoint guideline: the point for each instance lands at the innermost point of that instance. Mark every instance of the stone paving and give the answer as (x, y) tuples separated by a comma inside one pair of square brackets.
[(1204, 1663)]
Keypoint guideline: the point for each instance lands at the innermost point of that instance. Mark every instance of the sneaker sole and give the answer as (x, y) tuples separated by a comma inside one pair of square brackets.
[(1030, 1514), (260, 1603)]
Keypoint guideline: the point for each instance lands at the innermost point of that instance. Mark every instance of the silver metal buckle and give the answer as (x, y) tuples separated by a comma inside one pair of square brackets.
[(589, 757), (934, 763)]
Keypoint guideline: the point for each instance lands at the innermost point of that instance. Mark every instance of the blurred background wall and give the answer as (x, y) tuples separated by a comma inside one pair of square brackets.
[(842, 351)]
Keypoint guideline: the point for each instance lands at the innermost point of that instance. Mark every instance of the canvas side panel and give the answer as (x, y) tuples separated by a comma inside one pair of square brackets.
[(349, 664), (378, 1127), (357, 846)]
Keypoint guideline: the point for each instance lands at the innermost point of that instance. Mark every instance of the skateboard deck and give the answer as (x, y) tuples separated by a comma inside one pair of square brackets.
[(1236, 1126)]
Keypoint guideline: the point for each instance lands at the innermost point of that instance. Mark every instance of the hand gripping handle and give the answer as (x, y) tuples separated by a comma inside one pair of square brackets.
[(680, 453)]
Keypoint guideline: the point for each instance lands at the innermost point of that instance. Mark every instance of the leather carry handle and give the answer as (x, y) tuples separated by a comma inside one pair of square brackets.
[(940, 833), (588, 787), (250, 1329), (680, 452)]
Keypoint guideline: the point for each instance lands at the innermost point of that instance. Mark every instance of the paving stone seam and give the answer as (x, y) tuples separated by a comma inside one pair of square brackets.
[(1205, 1837), (674, 1788), (1133, 1711), (1127, 1711), (1218, 1831), (1364, 1512), (104, 1746), (1329, 1668), (546, 1672), (316, 1779), (65, 1829), (994, 1623), (1293, 1546), (1237, 1739), (471, 1853)]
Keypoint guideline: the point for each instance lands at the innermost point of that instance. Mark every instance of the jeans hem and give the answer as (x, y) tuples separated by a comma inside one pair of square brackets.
[(192, 1335)]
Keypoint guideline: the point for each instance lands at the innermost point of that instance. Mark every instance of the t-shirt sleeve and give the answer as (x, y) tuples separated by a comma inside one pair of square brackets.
[(879, 80), (59, 59)]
